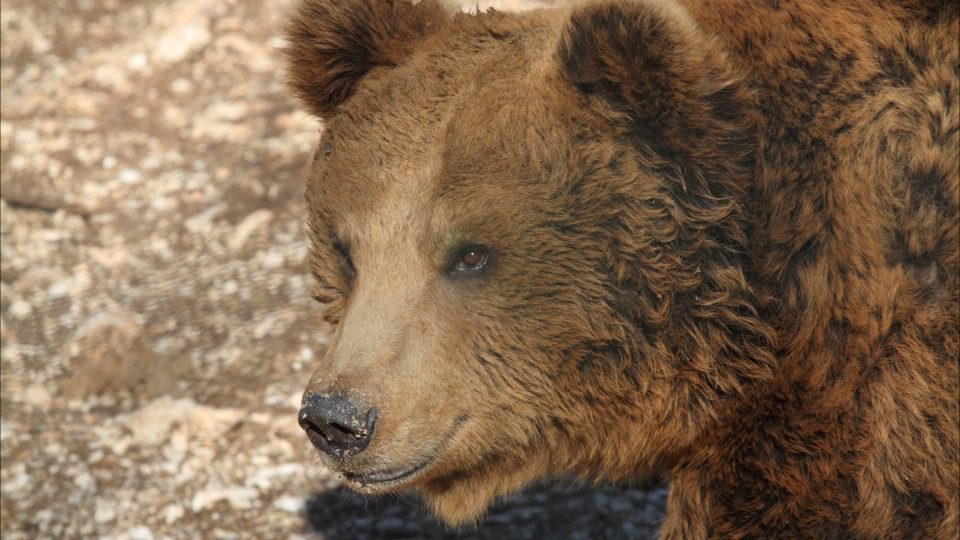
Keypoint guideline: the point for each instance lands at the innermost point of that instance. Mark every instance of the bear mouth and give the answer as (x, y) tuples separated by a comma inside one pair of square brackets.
[(384, 480), (392, 479)]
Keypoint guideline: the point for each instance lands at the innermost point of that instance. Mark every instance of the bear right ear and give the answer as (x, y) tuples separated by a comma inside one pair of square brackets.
[(333, 44), (648, 59)]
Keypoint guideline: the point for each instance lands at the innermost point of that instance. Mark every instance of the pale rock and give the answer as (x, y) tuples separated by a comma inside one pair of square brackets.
[(295, 401), (151, 424), (182, 40), (111, 77), (230, 111), (161, 204), (208, 423), (104, 512), (41, 45), (137, 61), (181, 86), (290, 504), (129, 176), (246, 228), (230, 287), (19, 162), (271, 400), (108, 353), (85, 482), (37, 396), (272, 260), (260, 418), (137, 533), (20, 309), (172, 513), (203, 222), (18, 484), (175, 116), (265, 478), (80, 124), (84, 103), (26, 138), (240, 498), (120, 446)]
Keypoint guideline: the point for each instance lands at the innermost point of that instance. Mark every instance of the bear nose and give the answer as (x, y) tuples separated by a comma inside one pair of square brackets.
[(335, 425)]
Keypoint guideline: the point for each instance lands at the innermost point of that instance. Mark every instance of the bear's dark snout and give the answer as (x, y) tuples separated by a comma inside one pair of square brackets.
[(335, 425)]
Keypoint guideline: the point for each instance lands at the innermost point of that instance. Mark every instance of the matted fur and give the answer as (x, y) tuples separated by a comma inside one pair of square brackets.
[(725, 248)]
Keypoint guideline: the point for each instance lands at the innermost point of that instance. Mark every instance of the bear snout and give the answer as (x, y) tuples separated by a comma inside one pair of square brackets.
[(335, 425)]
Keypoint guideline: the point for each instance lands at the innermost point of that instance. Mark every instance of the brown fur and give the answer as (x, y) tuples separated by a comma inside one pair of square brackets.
[(725, 247)]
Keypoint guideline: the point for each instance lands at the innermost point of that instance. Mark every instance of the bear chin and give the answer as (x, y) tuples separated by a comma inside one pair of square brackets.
[(463, 497)]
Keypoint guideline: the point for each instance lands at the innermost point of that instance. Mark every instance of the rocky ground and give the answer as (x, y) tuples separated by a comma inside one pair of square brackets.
[(156, 324)]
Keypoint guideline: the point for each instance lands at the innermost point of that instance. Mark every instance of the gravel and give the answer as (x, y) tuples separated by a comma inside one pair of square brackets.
[(155, 317)]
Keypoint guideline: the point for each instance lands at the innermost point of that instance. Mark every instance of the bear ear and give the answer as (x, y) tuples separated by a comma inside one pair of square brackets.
[(333, 44), (649, 60)]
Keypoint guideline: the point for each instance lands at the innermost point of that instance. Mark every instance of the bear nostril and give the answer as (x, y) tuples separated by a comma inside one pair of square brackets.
[(341, 436), (335, 425)]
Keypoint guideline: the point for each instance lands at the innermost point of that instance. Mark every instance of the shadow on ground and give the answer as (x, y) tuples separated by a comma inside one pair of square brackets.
[(547, 511)]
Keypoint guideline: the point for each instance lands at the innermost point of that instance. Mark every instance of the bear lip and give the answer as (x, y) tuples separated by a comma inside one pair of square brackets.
[(381, 479), (384, 480)]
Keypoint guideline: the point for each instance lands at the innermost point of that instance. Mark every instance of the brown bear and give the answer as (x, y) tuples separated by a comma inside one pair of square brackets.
[(717, 241)]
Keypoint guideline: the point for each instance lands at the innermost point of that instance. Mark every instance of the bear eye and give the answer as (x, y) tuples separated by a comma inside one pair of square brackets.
[(343, 254), (470, 260)]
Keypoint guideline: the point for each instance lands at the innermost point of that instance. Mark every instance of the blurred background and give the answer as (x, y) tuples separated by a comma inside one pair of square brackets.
[(156, 328)]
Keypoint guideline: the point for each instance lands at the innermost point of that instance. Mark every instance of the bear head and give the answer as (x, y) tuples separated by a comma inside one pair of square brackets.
[(530, 234)]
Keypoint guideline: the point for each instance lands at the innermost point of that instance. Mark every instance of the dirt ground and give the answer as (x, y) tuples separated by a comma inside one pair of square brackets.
[(156, 325)]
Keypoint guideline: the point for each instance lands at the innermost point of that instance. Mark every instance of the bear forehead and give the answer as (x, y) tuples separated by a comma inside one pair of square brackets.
[(444, 126), (455, 78)]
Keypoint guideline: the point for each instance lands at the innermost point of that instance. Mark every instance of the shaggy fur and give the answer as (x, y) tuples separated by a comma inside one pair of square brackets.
[(724, 247)]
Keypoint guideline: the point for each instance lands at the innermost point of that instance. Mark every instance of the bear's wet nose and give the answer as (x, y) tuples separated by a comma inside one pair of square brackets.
[(335, 425)]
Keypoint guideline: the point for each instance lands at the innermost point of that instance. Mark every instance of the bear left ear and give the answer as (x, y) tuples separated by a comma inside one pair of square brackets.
[(649, 60), (334, 44)]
